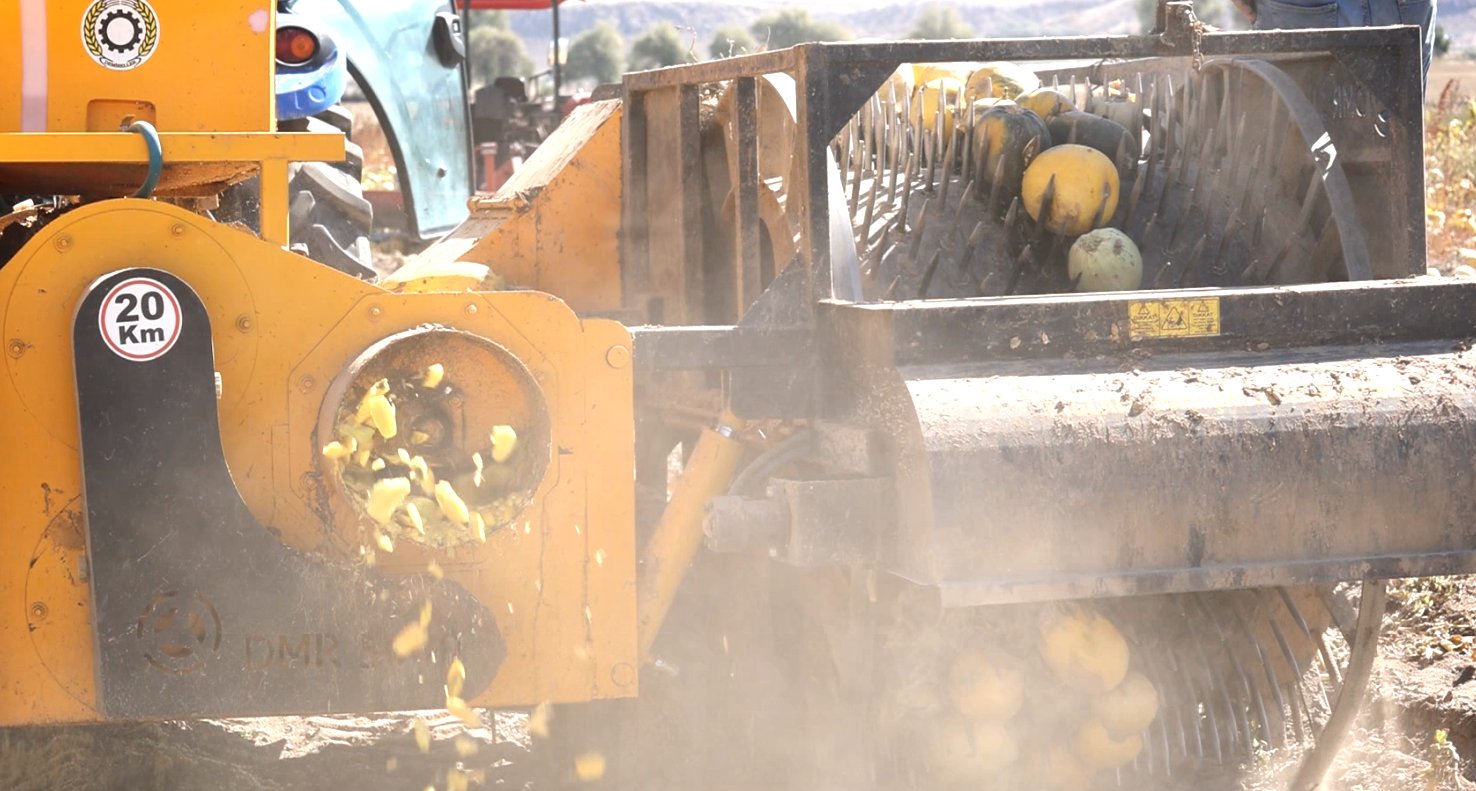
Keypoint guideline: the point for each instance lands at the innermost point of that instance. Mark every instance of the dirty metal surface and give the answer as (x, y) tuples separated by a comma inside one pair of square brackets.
[(1065, 479), (199, 611)]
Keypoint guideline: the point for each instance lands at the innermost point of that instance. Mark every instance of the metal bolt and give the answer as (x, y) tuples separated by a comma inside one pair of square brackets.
[(17, 347), (63, 242), (177, 229), (375, 312), (471, 310), (243, 323), (306, 384), (623, 674), (617, 356), (38, 611)]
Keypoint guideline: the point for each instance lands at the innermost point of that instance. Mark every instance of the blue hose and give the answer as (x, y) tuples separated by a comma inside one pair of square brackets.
[(156, 156)]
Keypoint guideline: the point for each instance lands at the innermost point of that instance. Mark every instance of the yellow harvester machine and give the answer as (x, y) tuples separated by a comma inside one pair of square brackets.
[(760, 428)]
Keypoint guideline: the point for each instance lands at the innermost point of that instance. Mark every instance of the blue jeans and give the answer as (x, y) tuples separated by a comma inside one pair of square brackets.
[(1291, 14)]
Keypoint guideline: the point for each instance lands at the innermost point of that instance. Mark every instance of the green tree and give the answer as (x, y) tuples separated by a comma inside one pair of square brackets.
[(596, 55), (789, 26), (492, 19), (1215, 12), (494, 52), (1442, 42), (661, 45), (939, 22), (730, 40)]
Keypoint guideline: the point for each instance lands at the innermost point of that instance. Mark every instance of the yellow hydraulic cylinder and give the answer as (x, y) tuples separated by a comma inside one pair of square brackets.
[(668, 554)]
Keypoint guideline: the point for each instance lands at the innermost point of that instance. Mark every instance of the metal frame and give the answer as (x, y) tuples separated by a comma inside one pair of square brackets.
[(833, 80)]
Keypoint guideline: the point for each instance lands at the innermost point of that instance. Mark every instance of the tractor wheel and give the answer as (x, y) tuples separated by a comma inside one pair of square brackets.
[(329, 216)]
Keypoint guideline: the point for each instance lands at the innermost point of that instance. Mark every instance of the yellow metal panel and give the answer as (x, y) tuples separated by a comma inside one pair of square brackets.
[(10, 66), (178, 147), (111, 164), (561, 585), (206, 51), (566, 239)]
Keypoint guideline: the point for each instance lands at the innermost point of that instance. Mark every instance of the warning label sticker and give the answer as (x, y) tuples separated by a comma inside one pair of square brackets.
[(1175, 318), (139, 319)]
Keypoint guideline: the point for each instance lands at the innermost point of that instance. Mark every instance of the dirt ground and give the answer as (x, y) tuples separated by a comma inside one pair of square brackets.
[(1417, 732)]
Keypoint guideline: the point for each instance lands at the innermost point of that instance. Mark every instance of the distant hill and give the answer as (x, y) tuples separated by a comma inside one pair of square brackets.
[(699, 19)]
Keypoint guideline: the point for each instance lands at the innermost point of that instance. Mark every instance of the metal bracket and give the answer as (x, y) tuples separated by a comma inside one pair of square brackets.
[(198, 610)]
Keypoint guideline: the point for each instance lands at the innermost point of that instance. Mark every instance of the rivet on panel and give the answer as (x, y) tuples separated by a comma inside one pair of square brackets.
[(63, 242), (38, 611), (17, 347), (617, 356), (306, 384), (623, 674), (243, 323), (471, 310), (177, 229), (375, 312)]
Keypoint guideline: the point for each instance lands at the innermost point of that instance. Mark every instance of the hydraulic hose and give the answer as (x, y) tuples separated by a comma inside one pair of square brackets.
[(156, 156)]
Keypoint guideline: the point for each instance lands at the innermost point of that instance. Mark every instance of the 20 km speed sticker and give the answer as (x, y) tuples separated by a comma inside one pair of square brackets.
[(140, 319)]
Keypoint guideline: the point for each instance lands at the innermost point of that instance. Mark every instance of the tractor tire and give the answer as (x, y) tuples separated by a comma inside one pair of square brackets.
[(329, 217)]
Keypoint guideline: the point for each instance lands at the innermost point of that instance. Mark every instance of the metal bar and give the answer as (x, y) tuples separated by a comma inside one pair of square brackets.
[(811, 177), (1355, 687), (713, 70), (748, 281), (1009, 328), (689, 174), (1097, 584), (19, 148), (272, 199), (698, 347), (635, 253), (558, 50)]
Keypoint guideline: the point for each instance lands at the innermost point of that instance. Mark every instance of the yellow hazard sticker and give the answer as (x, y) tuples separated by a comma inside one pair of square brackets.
[(1175, 318)]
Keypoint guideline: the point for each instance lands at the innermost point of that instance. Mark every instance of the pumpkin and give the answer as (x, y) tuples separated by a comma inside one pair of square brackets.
[(1105, 260), (1006, 139), (1000, 79), (933, 97), (1046, 102), (1102, 134), (1085, 189)]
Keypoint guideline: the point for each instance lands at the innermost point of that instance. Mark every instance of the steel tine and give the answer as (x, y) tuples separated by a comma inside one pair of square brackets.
[(1019, 269), (1278, 731)]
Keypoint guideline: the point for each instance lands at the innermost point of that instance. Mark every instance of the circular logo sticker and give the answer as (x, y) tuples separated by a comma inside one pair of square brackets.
[(139, 319), (180, 633), (120, 34)]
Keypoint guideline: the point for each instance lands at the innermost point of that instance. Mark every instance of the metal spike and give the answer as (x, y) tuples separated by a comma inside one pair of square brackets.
[(1193, 263), (1047, 199), (963, 203), (971, 245), (876, 180), (902, 214), (1136, 195), (1333, 670), (1248, 189), (1250, 691), (1215, 263), (1012, 223), (996, 185), (1019, 269), (948, 166), (927, 278), (920, 230), (1278, 732)]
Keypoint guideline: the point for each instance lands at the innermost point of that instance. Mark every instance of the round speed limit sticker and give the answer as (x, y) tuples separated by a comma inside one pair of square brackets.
[(140, 319)]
